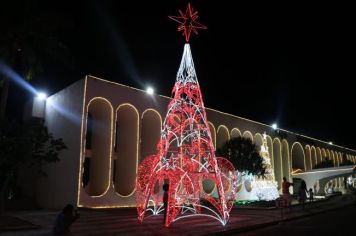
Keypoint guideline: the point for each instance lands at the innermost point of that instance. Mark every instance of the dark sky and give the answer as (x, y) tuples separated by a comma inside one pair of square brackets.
[(291, 64)]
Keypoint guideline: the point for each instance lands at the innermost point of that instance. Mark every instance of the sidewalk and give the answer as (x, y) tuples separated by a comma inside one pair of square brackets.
[(124, 221)]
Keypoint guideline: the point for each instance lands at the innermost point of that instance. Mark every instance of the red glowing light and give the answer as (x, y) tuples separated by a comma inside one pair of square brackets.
[(185, 159), (188, 22)]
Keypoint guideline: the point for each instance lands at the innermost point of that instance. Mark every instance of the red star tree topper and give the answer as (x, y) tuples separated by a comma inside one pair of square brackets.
[(188, 22), (185, 157)]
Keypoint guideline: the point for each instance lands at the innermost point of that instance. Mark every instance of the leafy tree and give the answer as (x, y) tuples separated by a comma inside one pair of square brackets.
[(26, 145), (243, 154)]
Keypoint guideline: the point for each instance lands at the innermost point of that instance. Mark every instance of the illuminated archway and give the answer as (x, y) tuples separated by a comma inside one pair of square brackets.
[(333, 157), (150, 132), (328, 154), (338, 158), (314, 157), (213, 133), (258, 141), (298, 157), (222, 136), (323, 154), (126, 149), (235, 132), (277, 157), (270, 149), (308, 161), (286, 159), (318, 154), (101, 112), (248, 134)]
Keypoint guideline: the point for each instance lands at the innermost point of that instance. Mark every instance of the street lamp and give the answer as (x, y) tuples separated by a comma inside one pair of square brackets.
[(274, 126), (150, 90), (41, 96)]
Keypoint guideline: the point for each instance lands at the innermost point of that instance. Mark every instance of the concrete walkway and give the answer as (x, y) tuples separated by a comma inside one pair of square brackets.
[(124, 221)]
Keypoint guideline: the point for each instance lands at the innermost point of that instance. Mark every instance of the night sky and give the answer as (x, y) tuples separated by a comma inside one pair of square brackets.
[(290, 64)]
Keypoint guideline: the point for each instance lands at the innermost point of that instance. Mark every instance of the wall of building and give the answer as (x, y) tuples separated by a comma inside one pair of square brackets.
[(134, 119), (109, 128), (63, 117)]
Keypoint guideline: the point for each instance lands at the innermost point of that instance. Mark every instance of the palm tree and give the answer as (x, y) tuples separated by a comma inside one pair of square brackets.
[(243, 154), (27, 38)]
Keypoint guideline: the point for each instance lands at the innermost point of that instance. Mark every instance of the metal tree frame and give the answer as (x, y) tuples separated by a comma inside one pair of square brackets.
[(185, 159)]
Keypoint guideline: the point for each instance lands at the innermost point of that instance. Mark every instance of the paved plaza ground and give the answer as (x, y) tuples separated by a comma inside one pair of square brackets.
[(124, 221)]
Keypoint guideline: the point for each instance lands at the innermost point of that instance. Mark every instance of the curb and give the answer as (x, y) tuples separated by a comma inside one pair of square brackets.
[(275, 222)]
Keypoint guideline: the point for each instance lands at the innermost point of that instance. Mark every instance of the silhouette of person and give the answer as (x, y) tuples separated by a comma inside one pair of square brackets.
[(345, 182), (311, 195), (303, 193), (165, 201), (285, 191), (64, 220)]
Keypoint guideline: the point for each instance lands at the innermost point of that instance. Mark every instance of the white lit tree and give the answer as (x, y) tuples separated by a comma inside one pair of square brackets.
[(265, 188)]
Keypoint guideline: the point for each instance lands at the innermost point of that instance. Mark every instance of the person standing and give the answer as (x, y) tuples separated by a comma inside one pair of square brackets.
[(165, 201), (285, 191), (311, 195), (303, 193), (64, 220)]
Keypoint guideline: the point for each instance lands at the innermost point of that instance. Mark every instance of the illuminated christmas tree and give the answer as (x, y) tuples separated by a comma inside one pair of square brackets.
[(265, 188), (185, 156)]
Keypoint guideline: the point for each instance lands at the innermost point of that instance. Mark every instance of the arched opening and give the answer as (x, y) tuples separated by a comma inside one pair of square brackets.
[(323, 154), (151, 125), (318, 154), (101, 115), (298, 157), (332, 153), (213, 133), (222, 136), (126, 149), (270, 149), (277, 157), (248, 134), (328, 155), (308, 161), (258, 141), (314, 157), (286, 159), (235, 132), (339, 158), (208, 186)]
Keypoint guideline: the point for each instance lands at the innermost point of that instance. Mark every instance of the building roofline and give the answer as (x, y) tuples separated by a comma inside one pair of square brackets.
[(239, 117)]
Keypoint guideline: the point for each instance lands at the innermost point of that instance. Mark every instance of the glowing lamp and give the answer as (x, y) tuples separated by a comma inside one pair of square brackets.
[(41, 96), (150, 90)]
